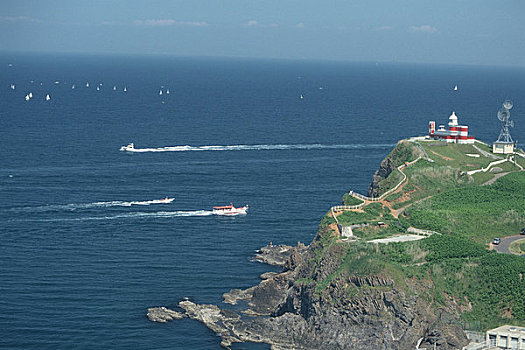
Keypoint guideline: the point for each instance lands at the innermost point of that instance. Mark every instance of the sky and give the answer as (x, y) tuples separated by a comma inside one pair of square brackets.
[(473, 32)]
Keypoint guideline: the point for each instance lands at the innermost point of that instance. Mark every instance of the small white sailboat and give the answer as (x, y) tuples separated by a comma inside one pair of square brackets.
[(125, 89), (160, 92), (98, 88), (114, 88), (302, 97), (48, 97), (12, 86), (455, 88), (30, 95), (87, 84), (168, 92), (73, 86), (27, 97)]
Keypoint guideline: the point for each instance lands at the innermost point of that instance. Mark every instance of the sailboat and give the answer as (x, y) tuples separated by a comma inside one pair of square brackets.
[(125, 89), (12, 86), (30, 95), (98, 88), (114, 88), (302, 97), (455, 88), (160, 92), (47, 97), (73, 86), (27, 97), (168, 92), (87, 84)]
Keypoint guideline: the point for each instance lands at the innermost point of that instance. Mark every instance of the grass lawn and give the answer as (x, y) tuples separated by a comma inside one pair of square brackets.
[(478, 212)]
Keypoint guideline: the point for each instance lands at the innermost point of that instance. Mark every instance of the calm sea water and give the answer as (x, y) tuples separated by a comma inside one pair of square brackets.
[(80, 264)]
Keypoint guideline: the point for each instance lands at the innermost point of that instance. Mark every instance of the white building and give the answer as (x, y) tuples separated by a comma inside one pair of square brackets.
[(454, 133), (506, 337)]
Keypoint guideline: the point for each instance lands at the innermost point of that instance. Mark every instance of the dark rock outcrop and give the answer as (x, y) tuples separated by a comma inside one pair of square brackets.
[(163, 314), (287, 311), (385, 168), (404, 151), (278, 255)]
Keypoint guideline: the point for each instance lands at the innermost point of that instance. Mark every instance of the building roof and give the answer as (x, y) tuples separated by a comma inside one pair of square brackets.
[(518, 330)]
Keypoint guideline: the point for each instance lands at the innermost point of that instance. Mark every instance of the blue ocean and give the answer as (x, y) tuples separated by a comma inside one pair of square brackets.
[(85, 246)]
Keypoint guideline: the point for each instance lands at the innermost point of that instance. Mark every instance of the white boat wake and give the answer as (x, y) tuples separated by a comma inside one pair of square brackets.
[(136, 215), (315, 146), (75, 206)]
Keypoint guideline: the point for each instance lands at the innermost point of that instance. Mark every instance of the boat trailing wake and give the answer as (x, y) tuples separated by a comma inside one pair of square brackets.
[(75, 206), (315, 146), (135, 215)]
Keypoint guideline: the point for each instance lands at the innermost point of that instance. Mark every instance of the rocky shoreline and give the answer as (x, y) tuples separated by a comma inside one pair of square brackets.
[(285, 310)]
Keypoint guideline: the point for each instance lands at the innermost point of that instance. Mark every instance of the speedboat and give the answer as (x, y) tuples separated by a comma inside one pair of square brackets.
[(167, 200), (129, 147), (230, 210)]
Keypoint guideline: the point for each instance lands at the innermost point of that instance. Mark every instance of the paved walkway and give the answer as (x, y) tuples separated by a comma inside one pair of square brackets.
[(504, 246), (485, 153), (402, 238), (491, 181)]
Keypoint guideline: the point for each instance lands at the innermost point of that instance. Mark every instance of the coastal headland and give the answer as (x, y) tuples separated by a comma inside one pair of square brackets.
[(372, 289)]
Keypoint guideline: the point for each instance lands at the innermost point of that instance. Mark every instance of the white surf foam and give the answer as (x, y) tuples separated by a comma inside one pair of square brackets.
[(139, 215), (75, 206), (314, 146)]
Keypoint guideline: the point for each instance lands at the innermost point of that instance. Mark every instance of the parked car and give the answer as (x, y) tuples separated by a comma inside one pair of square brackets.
[(522, 231), (496, 241)]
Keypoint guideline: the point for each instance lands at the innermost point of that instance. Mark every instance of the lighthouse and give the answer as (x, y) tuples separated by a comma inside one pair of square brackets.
[(454, 133)]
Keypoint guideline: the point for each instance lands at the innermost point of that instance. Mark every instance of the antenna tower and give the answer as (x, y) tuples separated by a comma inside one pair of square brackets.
[(506, 123)]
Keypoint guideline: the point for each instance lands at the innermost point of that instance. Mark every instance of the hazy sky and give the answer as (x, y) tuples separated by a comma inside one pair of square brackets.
[(437, 31)]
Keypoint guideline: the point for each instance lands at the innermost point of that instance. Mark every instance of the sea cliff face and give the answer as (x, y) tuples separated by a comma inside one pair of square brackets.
[(288, 311), (403, 152)]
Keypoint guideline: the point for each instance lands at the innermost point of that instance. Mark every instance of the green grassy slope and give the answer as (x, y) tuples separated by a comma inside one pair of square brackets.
[(456, 267)]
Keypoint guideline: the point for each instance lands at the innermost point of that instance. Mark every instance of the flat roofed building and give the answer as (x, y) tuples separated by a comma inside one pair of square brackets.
[(503, 147), (506, 337)]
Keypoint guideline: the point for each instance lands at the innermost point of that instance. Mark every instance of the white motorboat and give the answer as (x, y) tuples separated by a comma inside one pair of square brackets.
[(230, 210), (128, 148)]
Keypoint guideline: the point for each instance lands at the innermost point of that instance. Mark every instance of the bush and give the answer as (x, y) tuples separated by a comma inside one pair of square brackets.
[(443, 247), (350, 200)]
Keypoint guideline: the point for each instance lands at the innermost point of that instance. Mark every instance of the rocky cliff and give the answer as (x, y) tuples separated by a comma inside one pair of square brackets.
[(404, 152), (289, 311)]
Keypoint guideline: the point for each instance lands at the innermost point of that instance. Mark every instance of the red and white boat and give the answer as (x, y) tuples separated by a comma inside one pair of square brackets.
[(230, 210), (167, 200)]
